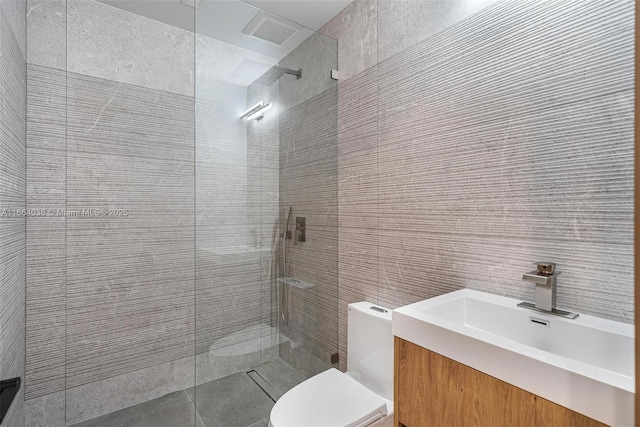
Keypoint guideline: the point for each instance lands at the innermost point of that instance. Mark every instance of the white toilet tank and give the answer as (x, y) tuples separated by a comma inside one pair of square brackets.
[(370, 347)]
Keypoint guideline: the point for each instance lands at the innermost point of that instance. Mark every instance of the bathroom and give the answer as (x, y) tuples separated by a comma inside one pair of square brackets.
[(193, 192)]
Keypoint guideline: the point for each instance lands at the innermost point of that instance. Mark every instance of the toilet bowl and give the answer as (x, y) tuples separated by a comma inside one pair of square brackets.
[(363, 396)]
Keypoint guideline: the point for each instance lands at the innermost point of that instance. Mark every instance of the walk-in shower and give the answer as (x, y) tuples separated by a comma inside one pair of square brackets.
[(191, 128)]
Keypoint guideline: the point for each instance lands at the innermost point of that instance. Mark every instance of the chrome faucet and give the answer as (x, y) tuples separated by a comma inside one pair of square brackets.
[(544, 278)]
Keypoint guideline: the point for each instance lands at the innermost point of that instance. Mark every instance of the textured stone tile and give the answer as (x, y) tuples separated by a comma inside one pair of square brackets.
[(358, 275), (46, 303), (12, 196), (130, 279), (109, 43), (12, 306), (234, 400), (278, 377), (571, 192), (463, 76), (317, 56), (221, 362), (308, 171), (175, 409), (46, 236), (14, 11), (302, 360), (122, 391), (46, 411), (47, 33), (420, 265), (228, 305), (12, 118), (449, 176), (356, 30), (404, 23), (46, 137)]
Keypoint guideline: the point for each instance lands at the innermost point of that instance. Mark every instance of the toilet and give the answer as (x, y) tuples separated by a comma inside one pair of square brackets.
[(363, 396)]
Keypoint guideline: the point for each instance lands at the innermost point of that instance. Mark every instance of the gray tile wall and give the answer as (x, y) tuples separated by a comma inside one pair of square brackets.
[(108, 298), (12, 197), (129, 278), (107, 295), (308, 183), (482, 141), (46, 237)]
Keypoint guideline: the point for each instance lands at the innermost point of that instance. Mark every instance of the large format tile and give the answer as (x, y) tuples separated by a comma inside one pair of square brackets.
[(110, 43), (234, 400), (404, 23), (356, 29), (121, 391), (46, 236), (12, 197), (171, 410), (129, 294), (308, 183), (502, 135), (278, 377), (46, 411), (316, 56), (47, 33)]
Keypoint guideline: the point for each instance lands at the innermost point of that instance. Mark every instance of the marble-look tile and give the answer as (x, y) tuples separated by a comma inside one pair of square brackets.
[(227, 298), (129, 278), (102, 397), (12, 118), (12, 196), (278, 377), (464, 76), (46, 304), (217, 61), (219, 363), (46, 411), (302, 360), (47, 33), (234, 400), (447, 177), (358, 275), (308, 172), (356, 29), (46, 137), (316, 56), (46, 237), (14, 11), (403, 23), (419, 265), (520, 194), (110, 43), (174, 409)]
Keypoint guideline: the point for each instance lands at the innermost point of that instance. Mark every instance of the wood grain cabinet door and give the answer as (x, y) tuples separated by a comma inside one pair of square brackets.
[(434, 391)]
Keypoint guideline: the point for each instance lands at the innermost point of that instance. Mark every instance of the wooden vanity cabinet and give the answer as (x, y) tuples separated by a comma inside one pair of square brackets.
[(432, 390)]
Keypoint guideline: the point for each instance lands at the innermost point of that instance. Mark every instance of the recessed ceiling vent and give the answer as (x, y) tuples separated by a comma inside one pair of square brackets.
[(192, 3), (270, 28)]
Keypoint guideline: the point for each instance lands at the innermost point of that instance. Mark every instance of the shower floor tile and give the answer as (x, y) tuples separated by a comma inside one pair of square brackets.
[(244, 399), (235, 400), (279, 377), (173, 410)]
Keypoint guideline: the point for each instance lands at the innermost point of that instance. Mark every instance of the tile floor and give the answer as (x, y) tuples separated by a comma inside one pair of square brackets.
[(244, 399)]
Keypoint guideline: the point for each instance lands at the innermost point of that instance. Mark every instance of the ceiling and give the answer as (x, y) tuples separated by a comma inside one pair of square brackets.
[(231, 55), (312, 14)]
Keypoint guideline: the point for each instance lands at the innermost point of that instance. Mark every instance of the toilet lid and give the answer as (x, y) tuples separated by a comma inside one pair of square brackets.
[(328, 399)]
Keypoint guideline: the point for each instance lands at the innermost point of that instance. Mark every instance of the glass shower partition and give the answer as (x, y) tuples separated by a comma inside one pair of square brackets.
[(266, 114)]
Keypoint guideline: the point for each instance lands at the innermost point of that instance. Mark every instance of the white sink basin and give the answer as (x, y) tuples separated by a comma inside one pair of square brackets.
[(585, 364)]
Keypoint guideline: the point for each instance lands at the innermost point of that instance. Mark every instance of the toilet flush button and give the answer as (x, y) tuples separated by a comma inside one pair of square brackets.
[(370, 420)]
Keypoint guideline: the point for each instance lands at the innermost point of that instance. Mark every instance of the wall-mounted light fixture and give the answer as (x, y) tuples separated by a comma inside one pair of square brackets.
[(256, 112)]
